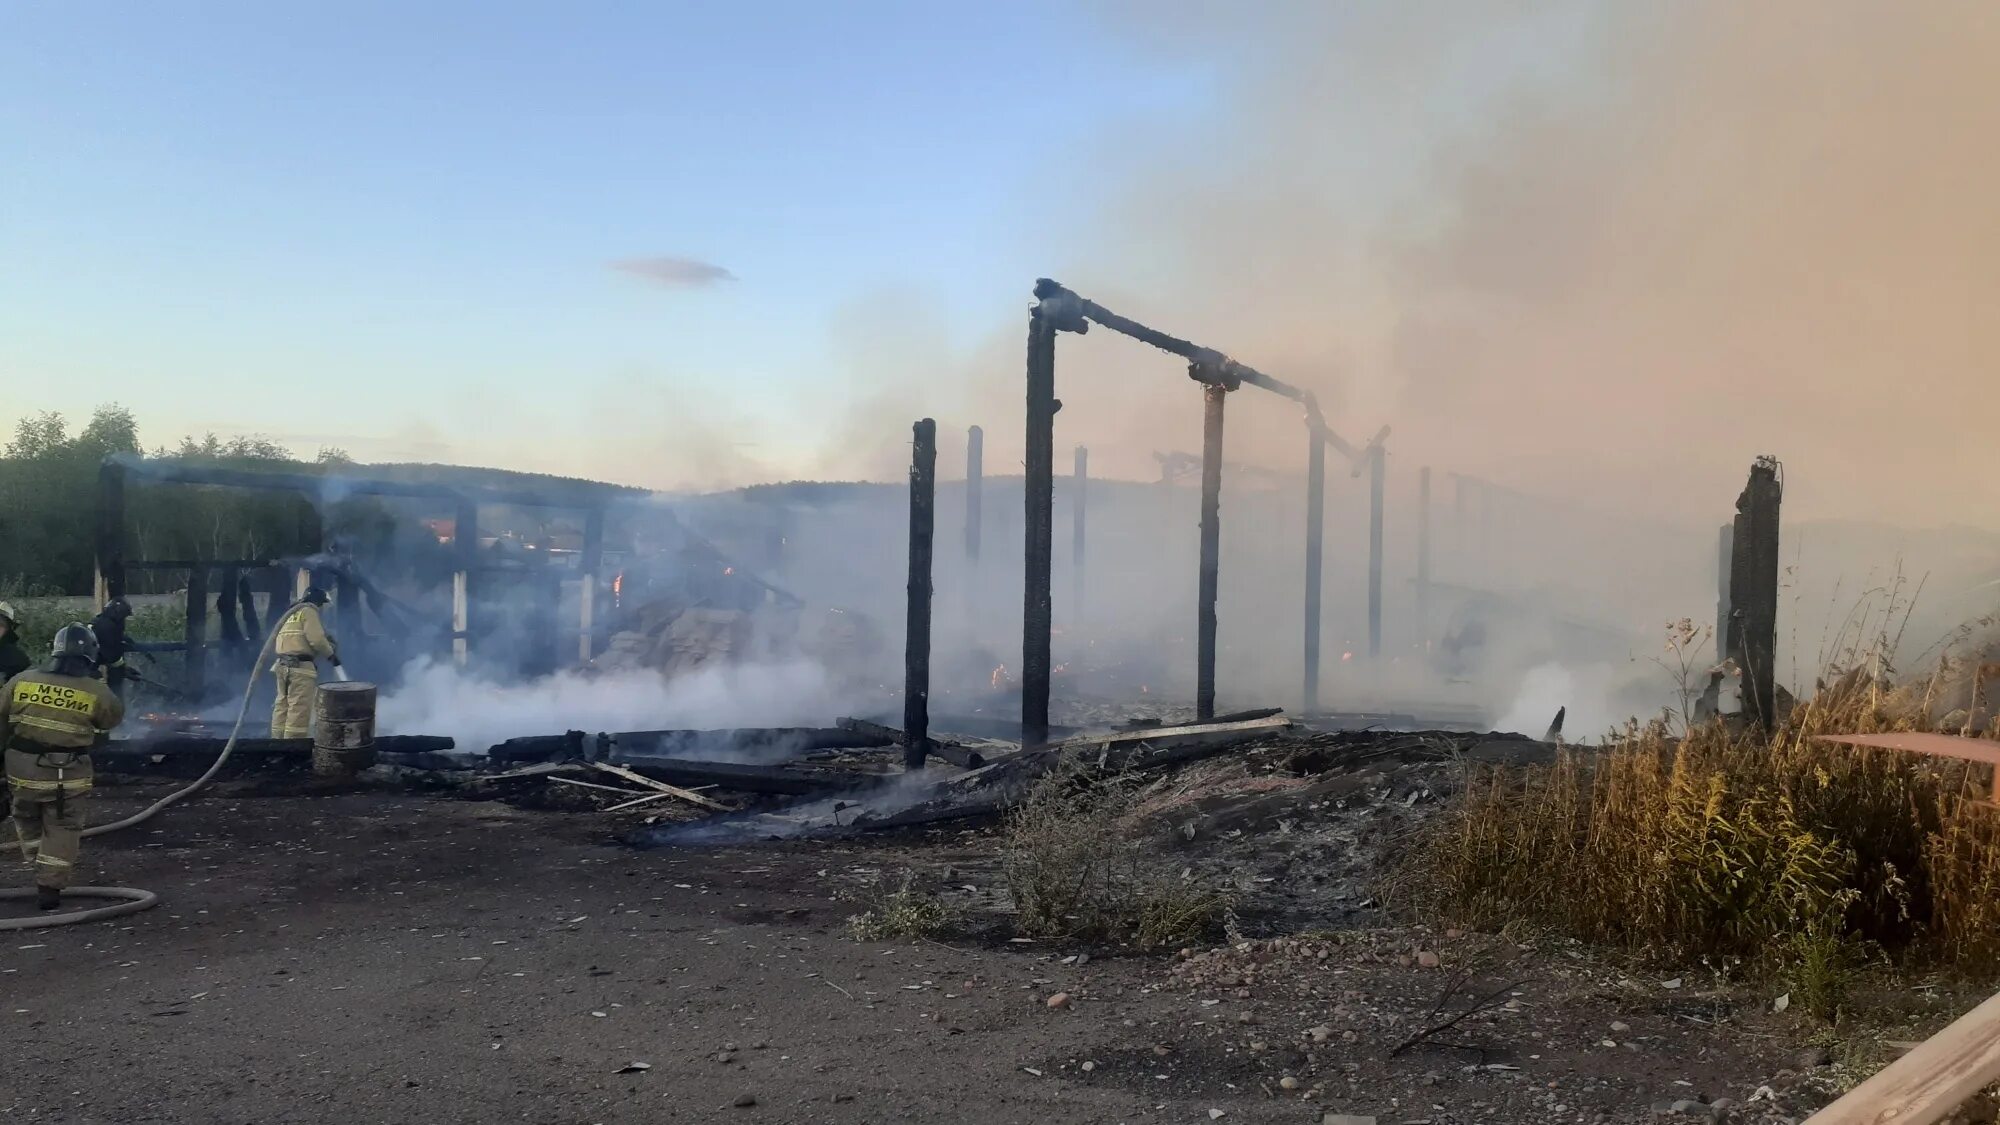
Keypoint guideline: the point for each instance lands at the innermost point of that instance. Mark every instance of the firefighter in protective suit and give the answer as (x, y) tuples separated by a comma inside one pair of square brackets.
[(49, 720), (302, 643)]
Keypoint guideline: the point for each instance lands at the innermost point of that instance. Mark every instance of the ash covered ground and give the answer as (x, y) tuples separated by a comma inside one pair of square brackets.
[(378, 954)]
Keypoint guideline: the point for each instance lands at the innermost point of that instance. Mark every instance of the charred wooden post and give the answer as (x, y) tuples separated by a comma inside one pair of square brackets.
[(1424, 558), (590, 562), (196, 632), (975, 473), (1753, 589), (1315, 557), (1080, 495), (1056, 310), (110, 532), (1377, 470), (917, 632), (1213, 397), (247, 599)]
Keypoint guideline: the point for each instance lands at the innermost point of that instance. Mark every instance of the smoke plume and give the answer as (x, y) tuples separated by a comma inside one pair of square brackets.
[(434, 698)]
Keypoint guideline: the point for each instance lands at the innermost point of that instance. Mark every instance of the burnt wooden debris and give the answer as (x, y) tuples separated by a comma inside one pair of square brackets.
[(1751, 639), (1058, 309), (917, 620)]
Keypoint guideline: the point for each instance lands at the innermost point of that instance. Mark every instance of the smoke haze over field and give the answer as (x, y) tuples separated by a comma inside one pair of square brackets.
[(1650, 240)]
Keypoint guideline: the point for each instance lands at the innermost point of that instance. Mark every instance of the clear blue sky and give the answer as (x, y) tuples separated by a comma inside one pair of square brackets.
[(392, 226)]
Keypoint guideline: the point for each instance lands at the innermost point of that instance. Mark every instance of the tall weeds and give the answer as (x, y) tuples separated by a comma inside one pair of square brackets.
[(1798, 855)]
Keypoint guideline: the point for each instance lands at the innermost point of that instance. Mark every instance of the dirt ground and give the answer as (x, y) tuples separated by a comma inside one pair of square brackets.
[(394, 957)]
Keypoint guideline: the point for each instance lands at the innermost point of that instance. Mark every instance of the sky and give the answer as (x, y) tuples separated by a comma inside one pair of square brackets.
[(1605, 254), (464, 230)]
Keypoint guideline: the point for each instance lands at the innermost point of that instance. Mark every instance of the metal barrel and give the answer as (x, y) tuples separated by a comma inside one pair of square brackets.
[(344, 729)]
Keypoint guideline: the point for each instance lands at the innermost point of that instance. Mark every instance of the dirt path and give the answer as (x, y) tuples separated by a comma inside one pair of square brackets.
[(394, 958)]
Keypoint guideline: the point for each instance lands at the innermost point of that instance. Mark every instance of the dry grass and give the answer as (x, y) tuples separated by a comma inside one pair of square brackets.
[(904, 912), (1075, 869), (1801, 857)]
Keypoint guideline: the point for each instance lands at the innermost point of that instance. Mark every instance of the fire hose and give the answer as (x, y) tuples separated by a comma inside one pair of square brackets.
[(131, 900)]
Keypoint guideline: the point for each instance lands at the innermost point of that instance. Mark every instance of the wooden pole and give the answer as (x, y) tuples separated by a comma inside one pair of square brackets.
[(1039, 538), (1213, 398), (1315, 565), (917, 620)]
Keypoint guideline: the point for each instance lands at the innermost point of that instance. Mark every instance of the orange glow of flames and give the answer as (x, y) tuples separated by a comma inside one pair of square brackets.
[(1347, 656), (729, 570), (999, 677)]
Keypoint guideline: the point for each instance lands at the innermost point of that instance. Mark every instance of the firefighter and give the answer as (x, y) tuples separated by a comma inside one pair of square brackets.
[(14, 659), (49, 720), (302, 643), (112, 647)]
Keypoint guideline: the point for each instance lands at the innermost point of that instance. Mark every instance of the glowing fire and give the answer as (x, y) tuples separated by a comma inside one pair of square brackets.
[(999, 677), (1347, 656), (729, 570), (1059, 669)]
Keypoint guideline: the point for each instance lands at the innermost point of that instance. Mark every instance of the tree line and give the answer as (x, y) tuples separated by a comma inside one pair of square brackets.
[(49, 502)]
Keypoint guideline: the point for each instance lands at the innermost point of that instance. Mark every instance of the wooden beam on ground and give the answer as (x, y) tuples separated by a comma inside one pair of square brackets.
[(684, 794), (731, 775), (1926, 1085)]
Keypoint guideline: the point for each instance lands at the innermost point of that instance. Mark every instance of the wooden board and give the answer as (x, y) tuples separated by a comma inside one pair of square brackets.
[(1939, 745), (1924, 1086)]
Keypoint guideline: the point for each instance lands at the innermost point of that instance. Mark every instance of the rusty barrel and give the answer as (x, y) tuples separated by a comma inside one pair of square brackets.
[(344, 729)]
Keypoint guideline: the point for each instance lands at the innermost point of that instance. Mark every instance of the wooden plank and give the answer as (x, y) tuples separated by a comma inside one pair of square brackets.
[(594, 785), (694, 774), (1938, 745), (1926, 1085), (689, 796), (637, 801)]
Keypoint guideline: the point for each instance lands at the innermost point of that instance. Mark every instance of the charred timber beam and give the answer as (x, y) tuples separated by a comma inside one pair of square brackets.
[(190, 564), (917, 616), (313, 484), (980, 726), (1208, 359), (731, 775), (181, 745), (1037, 606), (1211, 549), (961, 756), (759, 741)]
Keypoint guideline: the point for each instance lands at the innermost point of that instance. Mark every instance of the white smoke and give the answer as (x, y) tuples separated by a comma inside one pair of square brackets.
[(442, 699)]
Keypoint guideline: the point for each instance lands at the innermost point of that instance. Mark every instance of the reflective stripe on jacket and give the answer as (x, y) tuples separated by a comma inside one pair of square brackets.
[(51, 709)]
